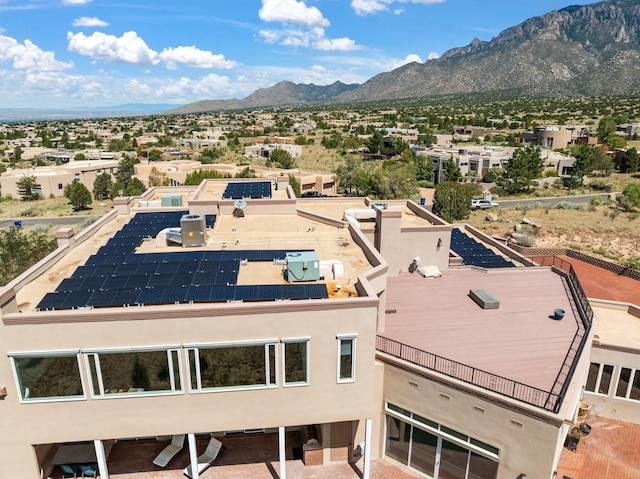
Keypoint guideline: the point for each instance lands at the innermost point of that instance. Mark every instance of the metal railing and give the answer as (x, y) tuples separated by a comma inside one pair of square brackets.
[(547, 400), (468, 374)]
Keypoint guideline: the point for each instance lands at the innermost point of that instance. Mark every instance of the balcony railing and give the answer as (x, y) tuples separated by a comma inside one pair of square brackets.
[(547, 400), (468, 374)]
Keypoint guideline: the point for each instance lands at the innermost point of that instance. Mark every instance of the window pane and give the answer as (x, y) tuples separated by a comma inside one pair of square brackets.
[(605, 380), (623, 382), (346, 359), (175, 364), (482, 468), (592, 377), (454, 433), (397, 446), (193, 372), (485, 446), (125, 373), (233, 366), (426, 421), (399, 410), (635, 387), (272, 365), (453, 461), (295, 359), (93, 372), (48, 377), (423, 451)]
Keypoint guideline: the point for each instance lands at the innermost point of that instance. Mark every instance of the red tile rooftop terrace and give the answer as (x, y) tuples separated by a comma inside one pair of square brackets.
[(519, 340)]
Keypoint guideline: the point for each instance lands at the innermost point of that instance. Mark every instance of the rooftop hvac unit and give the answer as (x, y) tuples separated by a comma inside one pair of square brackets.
[(302, 266), (192, 230), (171, 200)]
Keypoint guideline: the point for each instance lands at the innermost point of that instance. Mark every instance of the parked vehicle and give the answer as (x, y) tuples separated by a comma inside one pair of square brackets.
[(482, 204)]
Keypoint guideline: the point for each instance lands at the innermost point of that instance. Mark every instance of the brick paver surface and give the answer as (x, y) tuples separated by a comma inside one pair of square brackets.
[(610, 451)]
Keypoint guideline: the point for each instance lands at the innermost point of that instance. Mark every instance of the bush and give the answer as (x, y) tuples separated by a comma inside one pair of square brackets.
[(601, 185), (567, 205)]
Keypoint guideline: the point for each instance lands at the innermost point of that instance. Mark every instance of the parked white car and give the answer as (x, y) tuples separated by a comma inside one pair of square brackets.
[(482, 204)]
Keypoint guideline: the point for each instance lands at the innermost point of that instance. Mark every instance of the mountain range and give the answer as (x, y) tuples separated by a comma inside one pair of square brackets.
[(576, 51)]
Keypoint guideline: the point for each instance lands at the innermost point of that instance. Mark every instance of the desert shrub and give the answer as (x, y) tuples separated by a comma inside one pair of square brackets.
[(601, 185), (567, 205)]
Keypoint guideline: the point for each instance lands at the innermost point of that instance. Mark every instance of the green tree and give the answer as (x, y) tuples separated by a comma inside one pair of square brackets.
[(247, 172), (20, 250), (583, 165), (17, 154), (295, 186), (27, 187), (375, 143), (154, 155), (102, 186), (630, 197), (135, 188), (126, 169), (282, 158), (628, 161), (452, 171), (195, 177), (80, 157), (606, 127), (451, 201), (520, 170), (602, 162), (424, 168), (78, 195)]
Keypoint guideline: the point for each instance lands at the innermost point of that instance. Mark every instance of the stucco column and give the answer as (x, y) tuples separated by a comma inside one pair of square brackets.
[(193, 456), (102, 459), (283, 452)]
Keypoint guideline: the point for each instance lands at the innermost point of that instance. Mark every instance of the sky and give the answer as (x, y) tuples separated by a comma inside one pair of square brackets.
[(88, 53)]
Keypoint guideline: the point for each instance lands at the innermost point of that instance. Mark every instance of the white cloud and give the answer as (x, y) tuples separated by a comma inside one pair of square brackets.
[(291, 11), (314, 38), (433, 56), (341, 44), (370, 7), (89, 22), (76, 2), (129, 48), (29, 57), (408, 59), (194, 57)]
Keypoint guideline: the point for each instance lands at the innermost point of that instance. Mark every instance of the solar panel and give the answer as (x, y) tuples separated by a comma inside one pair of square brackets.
[(52, 301)]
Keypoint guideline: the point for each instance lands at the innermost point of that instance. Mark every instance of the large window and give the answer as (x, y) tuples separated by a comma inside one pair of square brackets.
[(48, 376), (346, 359), (599, 378), (436, 450), (134, 372), (629, 384), (296, 361), (251, 365)]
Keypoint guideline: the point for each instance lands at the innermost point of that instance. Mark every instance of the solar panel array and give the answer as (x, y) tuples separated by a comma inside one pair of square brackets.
[(116, 276), (247, 189), (475, 253)]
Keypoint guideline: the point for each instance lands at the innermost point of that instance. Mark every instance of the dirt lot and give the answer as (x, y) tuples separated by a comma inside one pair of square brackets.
[(603, 230)]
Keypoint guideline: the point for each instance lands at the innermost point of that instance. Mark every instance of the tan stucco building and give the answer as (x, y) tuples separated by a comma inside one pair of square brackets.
[(348, 322)]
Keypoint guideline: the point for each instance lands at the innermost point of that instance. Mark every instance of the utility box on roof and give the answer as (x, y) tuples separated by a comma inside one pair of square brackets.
[(302, 266), (192, 230)]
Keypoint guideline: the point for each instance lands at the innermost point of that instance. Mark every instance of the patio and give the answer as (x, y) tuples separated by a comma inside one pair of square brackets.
[(245, 456)]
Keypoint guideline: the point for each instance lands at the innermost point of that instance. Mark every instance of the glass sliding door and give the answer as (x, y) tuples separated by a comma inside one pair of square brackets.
[(437, 455), (423, 451), (398, 437), (453, 461)]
